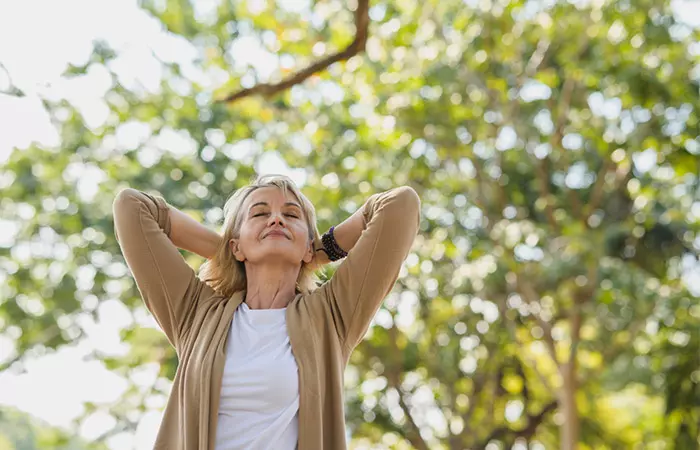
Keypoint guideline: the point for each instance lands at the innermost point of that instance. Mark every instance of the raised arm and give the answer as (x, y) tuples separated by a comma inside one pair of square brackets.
[(169, 287), (188, 234), (377, 238)]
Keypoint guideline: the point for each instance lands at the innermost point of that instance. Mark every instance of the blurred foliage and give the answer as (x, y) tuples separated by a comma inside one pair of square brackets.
[(18, 431), (554, 146)]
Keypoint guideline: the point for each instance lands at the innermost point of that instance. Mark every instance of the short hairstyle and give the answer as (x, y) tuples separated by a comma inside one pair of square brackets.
[(223, 272)]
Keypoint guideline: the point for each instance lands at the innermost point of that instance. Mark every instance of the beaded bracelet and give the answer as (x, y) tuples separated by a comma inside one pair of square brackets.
[(331, 247)]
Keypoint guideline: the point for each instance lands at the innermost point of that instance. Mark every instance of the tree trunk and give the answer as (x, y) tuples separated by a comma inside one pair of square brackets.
[(570, 426)]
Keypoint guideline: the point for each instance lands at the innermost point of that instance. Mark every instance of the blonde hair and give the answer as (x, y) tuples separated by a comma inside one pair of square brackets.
[(223, 272)]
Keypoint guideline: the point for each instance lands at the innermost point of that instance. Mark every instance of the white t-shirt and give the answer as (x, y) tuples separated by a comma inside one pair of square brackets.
[(259, 404)]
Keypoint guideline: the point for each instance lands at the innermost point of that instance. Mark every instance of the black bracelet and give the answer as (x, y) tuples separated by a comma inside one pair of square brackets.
[(331, 247)]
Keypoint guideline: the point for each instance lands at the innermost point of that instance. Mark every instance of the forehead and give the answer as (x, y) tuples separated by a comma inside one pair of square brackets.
[(270, 195)]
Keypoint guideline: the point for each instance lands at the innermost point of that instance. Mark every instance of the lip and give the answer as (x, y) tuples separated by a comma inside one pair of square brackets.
[(276, 233)]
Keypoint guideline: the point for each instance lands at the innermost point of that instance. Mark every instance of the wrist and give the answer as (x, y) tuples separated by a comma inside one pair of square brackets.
[(331, 246)]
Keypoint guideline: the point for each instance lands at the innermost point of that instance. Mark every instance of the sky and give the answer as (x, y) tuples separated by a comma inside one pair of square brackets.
[(35, 49)]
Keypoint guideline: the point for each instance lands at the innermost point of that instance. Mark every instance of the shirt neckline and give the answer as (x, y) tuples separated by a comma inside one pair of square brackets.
[(263, 317)]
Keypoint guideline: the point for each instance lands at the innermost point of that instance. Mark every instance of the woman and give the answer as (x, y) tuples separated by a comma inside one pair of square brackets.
[(261, 348)]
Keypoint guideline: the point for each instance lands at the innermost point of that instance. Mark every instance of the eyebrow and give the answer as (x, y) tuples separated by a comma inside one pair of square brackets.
[(266, 204)]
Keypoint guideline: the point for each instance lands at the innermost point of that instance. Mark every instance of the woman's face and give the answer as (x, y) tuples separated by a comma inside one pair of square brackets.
[(273, 229)]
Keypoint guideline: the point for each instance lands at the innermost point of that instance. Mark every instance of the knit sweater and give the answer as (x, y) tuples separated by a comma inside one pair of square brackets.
[(324, 326)]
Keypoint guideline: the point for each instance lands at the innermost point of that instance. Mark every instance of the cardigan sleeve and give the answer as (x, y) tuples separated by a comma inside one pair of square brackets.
[(168, 285), (370, 270)]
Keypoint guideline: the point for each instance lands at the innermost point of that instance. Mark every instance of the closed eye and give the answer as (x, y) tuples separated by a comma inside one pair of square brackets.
[(288, 215)]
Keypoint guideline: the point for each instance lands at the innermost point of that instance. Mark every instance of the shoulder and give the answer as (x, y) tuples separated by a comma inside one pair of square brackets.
[(314, 304)]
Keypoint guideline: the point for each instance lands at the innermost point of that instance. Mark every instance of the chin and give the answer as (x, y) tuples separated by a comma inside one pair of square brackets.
[(279, 256)]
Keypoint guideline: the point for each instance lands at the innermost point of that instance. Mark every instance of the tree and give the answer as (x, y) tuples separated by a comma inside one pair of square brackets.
[(555, 151), (20, 432)]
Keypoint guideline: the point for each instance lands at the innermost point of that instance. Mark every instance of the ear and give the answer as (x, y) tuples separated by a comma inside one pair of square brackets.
[(233, 244), (309, 255)]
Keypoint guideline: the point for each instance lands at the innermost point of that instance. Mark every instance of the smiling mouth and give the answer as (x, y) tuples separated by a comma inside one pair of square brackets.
[(273, 234)]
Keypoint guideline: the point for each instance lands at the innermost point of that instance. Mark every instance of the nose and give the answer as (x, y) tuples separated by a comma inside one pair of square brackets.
[(276, 217)]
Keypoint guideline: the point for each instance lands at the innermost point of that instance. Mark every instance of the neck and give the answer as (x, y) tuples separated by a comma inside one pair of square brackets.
[(270, 287)]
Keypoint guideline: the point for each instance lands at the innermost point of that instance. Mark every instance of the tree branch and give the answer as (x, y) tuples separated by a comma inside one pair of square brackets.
[(583, 295), (13, 90), (355, 47), (530, 297), (523, 355), (487, 420), (543, 177), (480, 199), (555, 141), (478, 383), (560, 110), (530, 70), (413, 436), (598, 188), (536, 59), (576, 321), (394, 380), (533, 421)]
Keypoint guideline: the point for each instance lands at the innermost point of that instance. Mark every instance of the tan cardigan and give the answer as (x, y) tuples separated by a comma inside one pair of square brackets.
[(324, 326)]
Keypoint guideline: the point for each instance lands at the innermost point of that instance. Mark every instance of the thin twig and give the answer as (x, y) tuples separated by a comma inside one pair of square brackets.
[(13, 90)]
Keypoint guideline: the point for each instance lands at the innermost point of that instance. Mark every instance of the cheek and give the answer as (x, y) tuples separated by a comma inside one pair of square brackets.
[(302, 232), (248, 233)]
